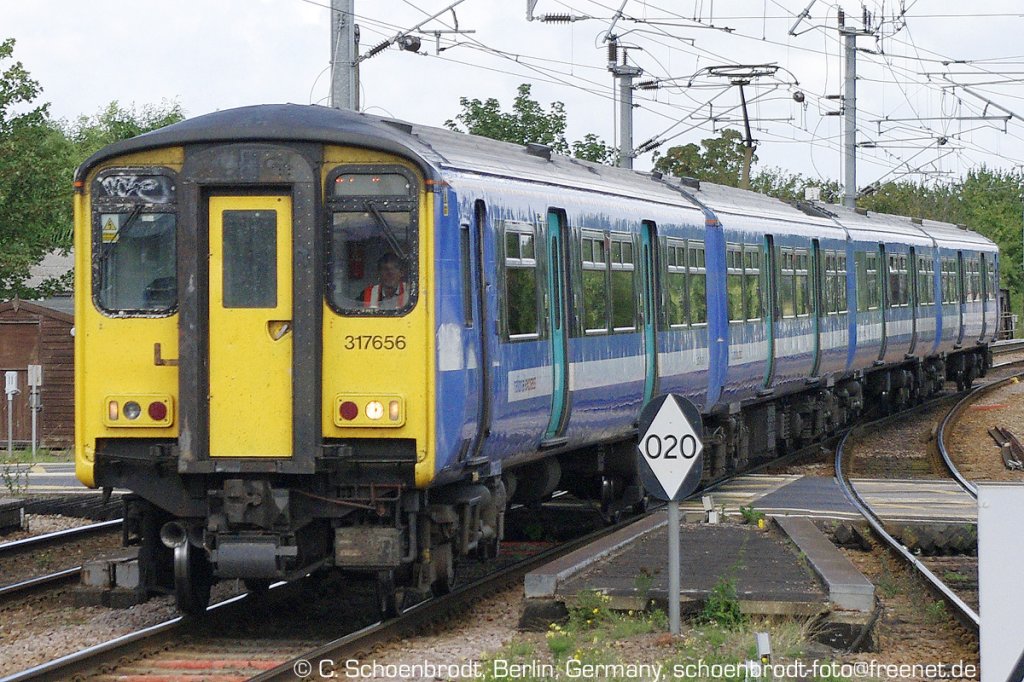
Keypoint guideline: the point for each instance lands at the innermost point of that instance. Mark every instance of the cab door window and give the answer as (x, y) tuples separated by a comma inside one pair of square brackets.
[(372, 257)]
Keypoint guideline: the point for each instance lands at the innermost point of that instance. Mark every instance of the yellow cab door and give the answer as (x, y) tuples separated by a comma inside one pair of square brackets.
[(250, 326)]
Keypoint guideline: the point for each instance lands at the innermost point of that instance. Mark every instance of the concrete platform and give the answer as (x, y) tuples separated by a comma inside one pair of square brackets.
[(847, 587), (12, 514), (769, 576)]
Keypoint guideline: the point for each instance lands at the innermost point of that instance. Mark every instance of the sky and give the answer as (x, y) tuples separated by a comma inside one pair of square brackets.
[(939, 81)]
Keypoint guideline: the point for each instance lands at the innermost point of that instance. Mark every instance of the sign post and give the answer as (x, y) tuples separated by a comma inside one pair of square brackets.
[(35, 381), (670, 453), (11, 389)]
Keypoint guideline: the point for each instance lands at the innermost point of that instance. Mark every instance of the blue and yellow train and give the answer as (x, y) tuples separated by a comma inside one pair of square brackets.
[(309, 338)]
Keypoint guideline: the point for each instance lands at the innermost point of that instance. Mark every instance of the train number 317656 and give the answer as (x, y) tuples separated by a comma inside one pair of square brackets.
[(373, 342)]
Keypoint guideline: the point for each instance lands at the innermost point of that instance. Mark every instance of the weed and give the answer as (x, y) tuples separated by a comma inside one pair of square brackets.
[(592, 609), (722, 607), (560, 641), (752, 516), (643, 583), (43, 559), (935, 612), (955, 578), (14, 477)]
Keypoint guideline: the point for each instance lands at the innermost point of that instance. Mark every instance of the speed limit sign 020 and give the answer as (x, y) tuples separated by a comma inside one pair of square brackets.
[(670, 447)]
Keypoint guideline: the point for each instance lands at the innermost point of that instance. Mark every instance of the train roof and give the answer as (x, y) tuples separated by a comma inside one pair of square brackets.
[(438, 152)]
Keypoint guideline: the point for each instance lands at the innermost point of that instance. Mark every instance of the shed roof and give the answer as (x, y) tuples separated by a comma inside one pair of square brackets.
[(59, 307)]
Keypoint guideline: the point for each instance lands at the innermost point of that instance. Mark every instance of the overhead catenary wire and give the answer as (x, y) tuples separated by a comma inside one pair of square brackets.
[(895, 71)]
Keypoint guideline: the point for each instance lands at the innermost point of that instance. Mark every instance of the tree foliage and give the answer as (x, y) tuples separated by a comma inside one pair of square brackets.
[(38, 157), (527, 122), (716, 159), (32, 217), (988, 201)]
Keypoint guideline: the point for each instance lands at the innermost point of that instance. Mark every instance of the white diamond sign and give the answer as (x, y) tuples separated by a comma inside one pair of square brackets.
[(670, 447)]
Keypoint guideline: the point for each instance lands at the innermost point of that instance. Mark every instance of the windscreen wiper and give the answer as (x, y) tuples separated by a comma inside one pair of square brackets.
[(389, 234)]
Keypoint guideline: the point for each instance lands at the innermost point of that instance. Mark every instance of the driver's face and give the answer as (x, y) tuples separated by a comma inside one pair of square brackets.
[(390, 274)]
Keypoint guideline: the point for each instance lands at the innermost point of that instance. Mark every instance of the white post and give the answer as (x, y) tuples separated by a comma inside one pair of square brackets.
[(11, 389), (673, 567), (35, 381)]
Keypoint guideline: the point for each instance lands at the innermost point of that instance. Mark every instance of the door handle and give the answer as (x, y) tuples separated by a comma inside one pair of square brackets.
[(159, 360), (278, 328)]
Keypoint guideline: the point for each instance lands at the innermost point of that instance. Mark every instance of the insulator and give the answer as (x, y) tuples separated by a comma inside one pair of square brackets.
[(613, 52), (648, 85), (377, 49), (557, 18)]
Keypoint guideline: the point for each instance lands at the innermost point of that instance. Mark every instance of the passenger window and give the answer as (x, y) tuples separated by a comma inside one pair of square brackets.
[(787, 288), (835, 282), (925, 281), (734, 281), (743, 262), (899, 294), (623, 296), (752, 282), (595, 284), (802, 282), (842, 304), (676, 300), (696, 275), (521, 318), (868, 294)]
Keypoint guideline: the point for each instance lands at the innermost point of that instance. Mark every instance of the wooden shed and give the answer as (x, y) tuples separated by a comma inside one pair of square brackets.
[(40, 333)]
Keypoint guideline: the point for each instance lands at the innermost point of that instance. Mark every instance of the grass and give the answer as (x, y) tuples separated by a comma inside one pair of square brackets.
[(24, 456), (595, 635)]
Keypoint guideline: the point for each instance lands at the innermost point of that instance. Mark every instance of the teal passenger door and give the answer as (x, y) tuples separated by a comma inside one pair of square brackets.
[(648, 283), (558, 316)]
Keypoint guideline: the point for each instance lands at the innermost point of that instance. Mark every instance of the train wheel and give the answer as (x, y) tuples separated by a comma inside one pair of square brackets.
[(389, 599), (444, 569), (193, 577)]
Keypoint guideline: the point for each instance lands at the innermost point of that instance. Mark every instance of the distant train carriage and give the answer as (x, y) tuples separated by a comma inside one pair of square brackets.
[(310, 338)]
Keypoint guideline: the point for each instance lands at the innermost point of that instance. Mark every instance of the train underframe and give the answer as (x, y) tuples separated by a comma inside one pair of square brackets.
[(361, 514)]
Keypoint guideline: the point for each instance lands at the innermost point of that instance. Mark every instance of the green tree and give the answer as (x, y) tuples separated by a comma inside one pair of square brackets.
[(781, 184), (89, 134), (33, 204), (527, 122), (716, 159), (37, 160)]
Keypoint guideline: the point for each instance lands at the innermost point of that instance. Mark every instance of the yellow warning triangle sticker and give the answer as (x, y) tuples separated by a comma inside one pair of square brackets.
[(109, 231)]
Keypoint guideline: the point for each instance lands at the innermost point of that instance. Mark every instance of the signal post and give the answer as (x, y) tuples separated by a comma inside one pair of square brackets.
[(670, 453)]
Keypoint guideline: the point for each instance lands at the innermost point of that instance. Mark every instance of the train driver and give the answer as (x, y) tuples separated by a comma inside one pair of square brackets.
[(391, 292)]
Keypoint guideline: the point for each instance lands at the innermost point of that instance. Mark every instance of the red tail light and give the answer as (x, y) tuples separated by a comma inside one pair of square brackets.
[(349, 410), (157, 411)]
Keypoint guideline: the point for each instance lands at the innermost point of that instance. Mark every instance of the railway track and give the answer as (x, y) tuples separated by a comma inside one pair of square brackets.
[(965, 613), (212, 648), (249, 634), (1002, 348), (65, 576)]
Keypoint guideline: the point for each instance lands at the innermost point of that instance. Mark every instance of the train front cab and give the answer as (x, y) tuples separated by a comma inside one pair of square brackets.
[(270, 410)]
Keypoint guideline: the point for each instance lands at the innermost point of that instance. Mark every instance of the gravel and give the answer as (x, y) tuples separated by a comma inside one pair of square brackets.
[(973, 451), (42, 628), (40, 524)]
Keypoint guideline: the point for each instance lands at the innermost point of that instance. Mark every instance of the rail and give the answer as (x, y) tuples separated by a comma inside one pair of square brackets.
[(965, 614), (37, 541)]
